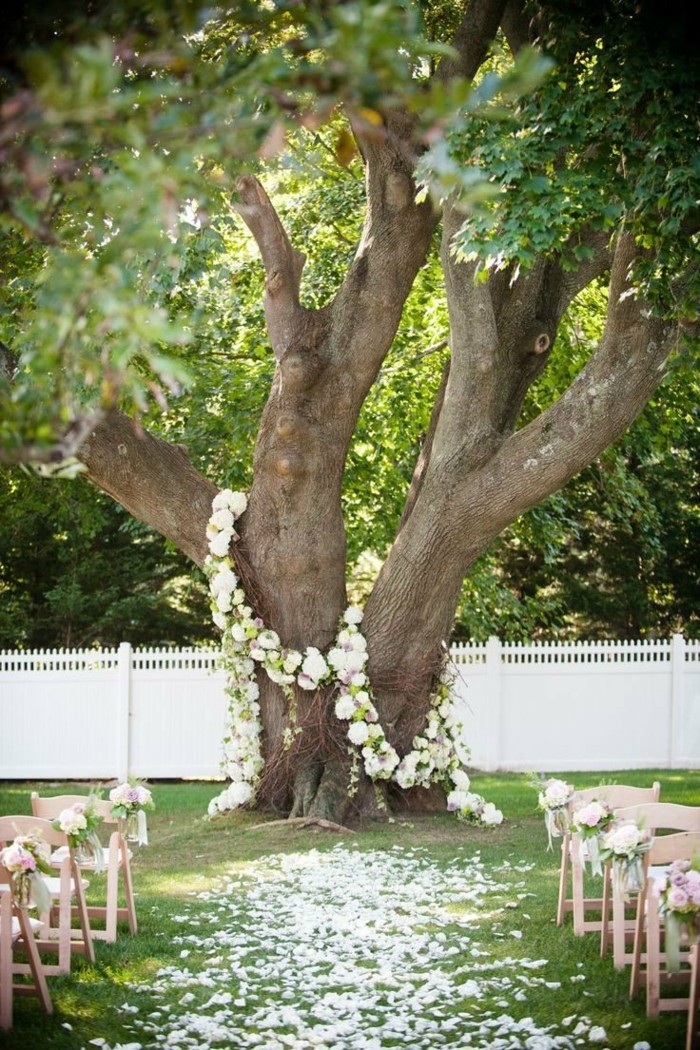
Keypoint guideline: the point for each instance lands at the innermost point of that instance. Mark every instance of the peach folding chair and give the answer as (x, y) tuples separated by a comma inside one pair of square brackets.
[(650, 926), (655, 817), (115, 861), (17, 931), (67, 890), (615, 795)]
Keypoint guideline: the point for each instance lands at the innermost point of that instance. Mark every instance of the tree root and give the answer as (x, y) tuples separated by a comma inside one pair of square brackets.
[(304, 822)]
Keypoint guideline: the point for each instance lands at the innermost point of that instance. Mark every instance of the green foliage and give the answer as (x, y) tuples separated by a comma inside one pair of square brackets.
[(77, 571)]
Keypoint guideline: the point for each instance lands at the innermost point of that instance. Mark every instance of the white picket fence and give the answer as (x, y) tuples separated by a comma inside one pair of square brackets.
[(98, 714)]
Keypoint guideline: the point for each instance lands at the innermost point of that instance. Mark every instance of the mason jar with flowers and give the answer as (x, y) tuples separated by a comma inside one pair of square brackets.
[(26, 858), (130, 801), (678, 894), (80, 822), (624, 845), (589, 823)]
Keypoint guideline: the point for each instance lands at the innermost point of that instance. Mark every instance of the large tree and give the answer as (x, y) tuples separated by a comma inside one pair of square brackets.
[(531, 191)]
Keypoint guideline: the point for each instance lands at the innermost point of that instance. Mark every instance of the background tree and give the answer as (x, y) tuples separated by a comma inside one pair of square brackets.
[(589, 176)]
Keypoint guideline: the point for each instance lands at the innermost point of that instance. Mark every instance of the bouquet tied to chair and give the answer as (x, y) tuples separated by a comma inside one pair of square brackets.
[(26, 860), (590, 822), (80, 822), (130, 801), (554, 798), (624, 845), (678, 892)]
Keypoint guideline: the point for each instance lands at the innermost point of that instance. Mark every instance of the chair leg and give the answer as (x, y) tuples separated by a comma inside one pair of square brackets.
[(636, 975), (577, 888), (35, 965), (563, 879), (5, 959), (653, 957), (88, 947), (605, 914), (691, 1039), (129, 894)]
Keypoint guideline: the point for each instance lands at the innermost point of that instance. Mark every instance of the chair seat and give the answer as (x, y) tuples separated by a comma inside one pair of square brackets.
[(16, 929), (60, 854), (54, 884)]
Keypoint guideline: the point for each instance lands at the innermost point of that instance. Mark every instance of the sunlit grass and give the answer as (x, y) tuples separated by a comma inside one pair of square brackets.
[(188, 855)]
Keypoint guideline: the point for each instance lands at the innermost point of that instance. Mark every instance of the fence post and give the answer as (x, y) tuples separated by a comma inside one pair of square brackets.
[(675, 733), (124, 710), (493, 703)]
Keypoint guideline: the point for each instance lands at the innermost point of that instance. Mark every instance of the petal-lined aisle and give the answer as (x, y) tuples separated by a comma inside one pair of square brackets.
[(357, 950)]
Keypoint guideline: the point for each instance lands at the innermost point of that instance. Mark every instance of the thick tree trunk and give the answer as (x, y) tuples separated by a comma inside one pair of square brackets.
[(476, 473)]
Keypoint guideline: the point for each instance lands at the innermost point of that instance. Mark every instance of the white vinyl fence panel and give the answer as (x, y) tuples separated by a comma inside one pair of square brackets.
[(541, 707)]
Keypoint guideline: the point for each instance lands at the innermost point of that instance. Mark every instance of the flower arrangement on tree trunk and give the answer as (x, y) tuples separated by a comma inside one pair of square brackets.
[(80, 822), (27, 861), (248, 646)]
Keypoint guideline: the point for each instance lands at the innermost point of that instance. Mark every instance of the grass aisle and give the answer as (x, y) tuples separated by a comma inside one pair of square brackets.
[(414, 934)]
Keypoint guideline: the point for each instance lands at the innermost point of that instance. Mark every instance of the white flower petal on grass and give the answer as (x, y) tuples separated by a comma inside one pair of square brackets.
[(348, 949)]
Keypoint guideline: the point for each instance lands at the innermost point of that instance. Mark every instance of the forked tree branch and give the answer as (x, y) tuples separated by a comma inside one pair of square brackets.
[(283, 263)]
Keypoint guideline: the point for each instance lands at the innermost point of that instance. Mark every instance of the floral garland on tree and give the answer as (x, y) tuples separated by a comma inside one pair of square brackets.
[(248, 645)]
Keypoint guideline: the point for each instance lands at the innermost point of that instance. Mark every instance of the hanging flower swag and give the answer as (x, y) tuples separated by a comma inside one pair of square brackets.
[(248, 645)]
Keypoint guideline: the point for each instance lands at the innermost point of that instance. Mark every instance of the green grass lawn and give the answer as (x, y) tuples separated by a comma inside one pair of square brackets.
[(188, 854)]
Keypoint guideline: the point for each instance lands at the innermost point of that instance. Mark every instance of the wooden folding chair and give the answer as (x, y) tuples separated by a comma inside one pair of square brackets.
[(116, 863), (57, 933), (655, 816), (692, 1038), (616, 795), (17, 931), (650, 927)]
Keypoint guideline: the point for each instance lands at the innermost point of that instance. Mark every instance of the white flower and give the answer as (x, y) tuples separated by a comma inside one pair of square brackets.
[(314, 666), (223, 601), (460, 779), (345, 707), (457, 800), (222, 520), (268, 639), (491, 815), (353, 614), (219, 544), (71, 821), (219, 619), (238, 632), (291, 661), (358, 732), (223, 580), (337, 658)]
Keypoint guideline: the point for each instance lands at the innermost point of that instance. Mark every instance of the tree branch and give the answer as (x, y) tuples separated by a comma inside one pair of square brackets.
[(152, 479), (283, 263), (472, 39)]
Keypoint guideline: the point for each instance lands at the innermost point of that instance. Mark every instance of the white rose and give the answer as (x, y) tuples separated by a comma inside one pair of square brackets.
[(219, 619), (337, 658), (491, 815), (344, 707), (358, 732), (314, 666), (223, 601), (219, 544), (291, 661), (460, 779), (222, 519), (238, 632), (223, 580), (238, 503), (353, 614), (269, 639)]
